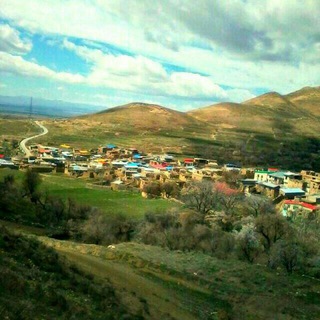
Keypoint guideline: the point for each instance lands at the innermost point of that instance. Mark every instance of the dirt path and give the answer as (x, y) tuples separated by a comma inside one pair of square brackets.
[(141, 294), (24, 141)]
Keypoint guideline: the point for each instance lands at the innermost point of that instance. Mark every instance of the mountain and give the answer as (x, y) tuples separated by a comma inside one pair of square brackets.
[(270, 100), (145, 117), (149, 127), (271, 128), (307, 98), (44, 107)]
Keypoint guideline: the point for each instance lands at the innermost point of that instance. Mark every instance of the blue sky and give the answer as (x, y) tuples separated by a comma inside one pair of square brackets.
[(180, 54)]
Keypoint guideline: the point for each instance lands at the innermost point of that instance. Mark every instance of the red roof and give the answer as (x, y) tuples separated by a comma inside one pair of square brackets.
[(273, 169), (188, 160), (1, 156), (302, 204)]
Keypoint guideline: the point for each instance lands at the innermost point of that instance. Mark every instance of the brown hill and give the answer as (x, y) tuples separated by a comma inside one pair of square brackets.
[(268, 129), (307, 98), (271, 100), (271, 129), (144, 116), (268, 112), (146, 126)]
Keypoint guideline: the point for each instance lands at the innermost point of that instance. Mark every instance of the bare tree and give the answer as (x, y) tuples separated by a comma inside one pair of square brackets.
[(286, 253), (271, 229), (200, 196), (257, 205)]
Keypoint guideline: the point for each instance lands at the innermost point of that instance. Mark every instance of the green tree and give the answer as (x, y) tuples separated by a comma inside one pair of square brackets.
[(31, 183)]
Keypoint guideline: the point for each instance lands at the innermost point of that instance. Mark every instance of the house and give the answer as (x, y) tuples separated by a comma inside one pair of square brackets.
[(268, 189), (276, 177), (313, 199), (292, 179), (312, 180), (247, 185), (231, 167), (292, 193), (200, 162), (261, 175), (188, 161), (106, 148), (293, 208)]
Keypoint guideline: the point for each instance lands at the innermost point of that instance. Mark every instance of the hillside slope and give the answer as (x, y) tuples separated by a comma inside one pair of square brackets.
[(176, 285), (144, 116), (307, 98), (271, 129), (145, 126), (36, 283)]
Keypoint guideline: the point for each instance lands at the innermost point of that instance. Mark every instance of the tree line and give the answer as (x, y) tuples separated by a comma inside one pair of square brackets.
[(215, 219)]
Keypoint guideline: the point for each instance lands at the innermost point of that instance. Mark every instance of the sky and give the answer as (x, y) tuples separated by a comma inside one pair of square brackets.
[(182, 54)]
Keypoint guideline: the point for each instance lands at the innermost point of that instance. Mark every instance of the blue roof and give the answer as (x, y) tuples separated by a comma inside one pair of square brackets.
[(137, 156), (277, 174), (111, 146), (132, 165), (292, 190)]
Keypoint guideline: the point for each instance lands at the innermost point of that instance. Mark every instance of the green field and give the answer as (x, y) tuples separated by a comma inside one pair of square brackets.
[(128, 203)]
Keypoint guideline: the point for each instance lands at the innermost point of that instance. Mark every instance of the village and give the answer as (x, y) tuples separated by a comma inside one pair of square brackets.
[(119, 168)]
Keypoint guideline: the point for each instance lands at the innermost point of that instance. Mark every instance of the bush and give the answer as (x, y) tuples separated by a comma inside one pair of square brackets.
[(105, 230)]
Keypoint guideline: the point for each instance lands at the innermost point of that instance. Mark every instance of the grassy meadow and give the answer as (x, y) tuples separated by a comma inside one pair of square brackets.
[(130, 204)]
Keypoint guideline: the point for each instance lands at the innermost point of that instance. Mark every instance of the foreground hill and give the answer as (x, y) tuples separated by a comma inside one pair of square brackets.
[(36, 283), (152, 282)]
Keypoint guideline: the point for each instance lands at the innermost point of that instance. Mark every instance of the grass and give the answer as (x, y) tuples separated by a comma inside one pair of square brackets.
[(16, 128), (229, 287), (36, 283), (130, 204)]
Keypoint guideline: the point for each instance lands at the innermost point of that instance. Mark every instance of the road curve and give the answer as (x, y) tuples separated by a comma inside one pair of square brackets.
[(24, 141)]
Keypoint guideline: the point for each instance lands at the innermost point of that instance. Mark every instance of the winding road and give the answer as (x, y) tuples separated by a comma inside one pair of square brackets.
[(24, 141)]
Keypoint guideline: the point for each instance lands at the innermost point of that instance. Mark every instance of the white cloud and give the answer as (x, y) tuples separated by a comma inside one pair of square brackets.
[(18, 65), (143, 75), (11, 42), (249, 44)]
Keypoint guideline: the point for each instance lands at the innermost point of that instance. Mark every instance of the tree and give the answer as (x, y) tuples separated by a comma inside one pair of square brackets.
[(153, 189), (170, 189), (248, 244), (232, 178), (227, 198), (257, 205), (14, 144), (31, 183), (103, 229), (286, 253), (271, 228), (199, 195)]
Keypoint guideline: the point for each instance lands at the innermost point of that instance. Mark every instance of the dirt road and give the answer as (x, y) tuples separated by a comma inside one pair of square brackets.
[(24, 141)]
